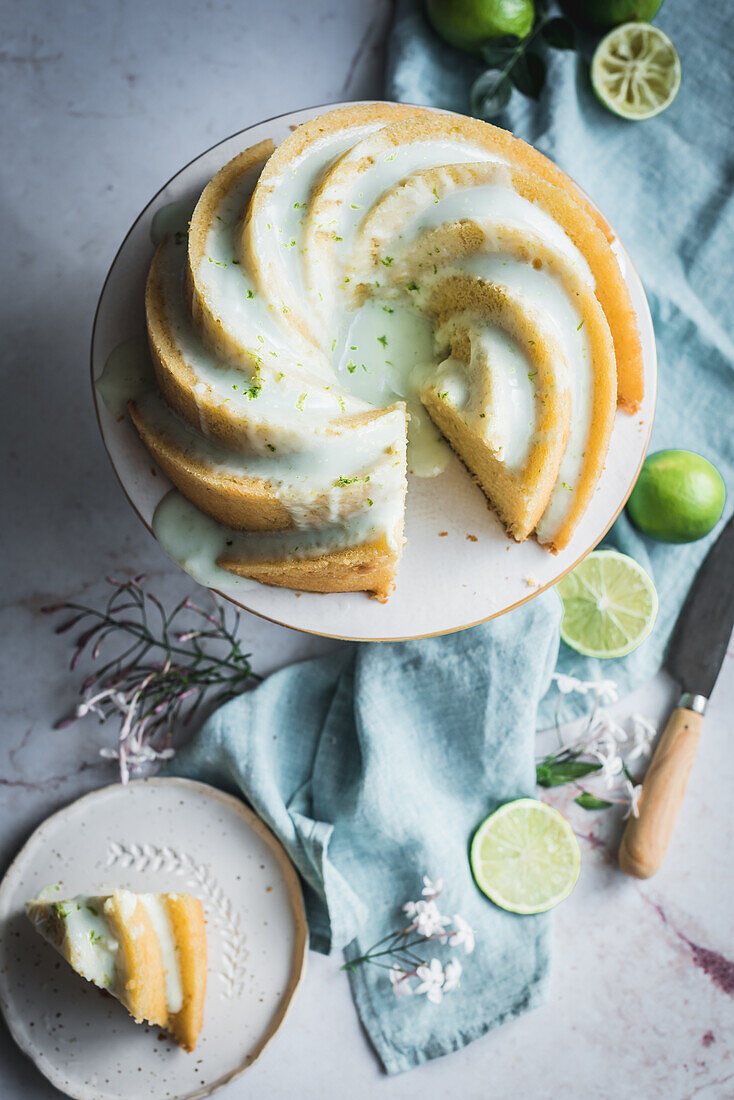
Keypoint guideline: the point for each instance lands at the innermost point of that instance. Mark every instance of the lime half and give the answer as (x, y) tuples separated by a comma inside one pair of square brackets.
[(609, 605), (524, 857), (636, 71)]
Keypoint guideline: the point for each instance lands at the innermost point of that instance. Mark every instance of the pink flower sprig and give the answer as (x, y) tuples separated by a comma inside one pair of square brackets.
[(397, 952), (163, 668)]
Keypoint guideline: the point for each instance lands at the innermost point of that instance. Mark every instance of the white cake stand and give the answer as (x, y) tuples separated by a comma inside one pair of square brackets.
[(459, 568)]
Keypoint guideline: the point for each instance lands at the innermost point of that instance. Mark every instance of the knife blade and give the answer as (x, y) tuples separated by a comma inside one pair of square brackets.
[(701, 634), (695, 654)]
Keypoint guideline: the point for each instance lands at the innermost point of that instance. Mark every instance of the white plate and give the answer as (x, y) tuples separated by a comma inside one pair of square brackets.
[(154, 835), (445, 583)]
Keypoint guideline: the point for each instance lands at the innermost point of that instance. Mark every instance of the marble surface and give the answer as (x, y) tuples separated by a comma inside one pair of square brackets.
[(102, 102)]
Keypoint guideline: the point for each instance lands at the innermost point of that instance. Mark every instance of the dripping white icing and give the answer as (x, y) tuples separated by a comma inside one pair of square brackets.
[(126, 375), (196, 542)]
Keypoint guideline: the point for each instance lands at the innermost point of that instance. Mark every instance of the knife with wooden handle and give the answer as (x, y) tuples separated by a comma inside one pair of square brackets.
[(695, 654)]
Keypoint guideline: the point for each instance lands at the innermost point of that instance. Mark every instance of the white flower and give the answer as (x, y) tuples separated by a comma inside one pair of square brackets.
[(633, 793), (452, 973), (428, 921), (602, 744), (605, 690), (611, 766), (401, 987), (643, 732), (431, 978), (567, 684), (146, 754), (607, 727), (431, 889), (410, 908), (464, 934)]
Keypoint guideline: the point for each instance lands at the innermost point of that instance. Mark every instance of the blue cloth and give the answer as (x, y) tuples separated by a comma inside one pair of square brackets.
[(374, 766), (667, 187)]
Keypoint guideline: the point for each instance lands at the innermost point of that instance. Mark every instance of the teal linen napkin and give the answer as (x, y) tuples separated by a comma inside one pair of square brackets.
[(373, 766), (667, 187)]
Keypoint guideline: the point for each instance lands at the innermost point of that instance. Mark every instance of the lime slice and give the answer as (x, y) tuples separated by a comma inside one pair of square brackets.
[(636, 71), (609, 605), (524, 857)]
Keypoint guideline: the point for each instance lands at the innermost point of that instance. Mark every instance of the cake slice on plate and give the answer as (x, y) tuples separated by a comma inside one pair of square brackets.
[(147, 950)]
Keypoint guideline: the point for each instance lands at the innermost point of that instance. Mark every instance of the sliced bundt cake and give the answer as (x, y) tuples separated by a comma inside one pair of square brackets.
[(389, 277)]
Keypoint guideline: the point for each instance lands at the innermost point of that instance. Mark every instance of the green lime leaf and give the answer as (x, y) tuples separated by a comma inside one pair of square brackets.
[(528, 74), (554, 773), (590, 802), (499, 50), (490, 94), (497, 56), (560, 34)]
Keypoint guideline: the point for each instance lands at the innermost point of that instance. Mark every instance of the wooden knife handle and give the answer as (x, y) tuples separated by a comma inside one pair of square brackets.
[(646, 838)]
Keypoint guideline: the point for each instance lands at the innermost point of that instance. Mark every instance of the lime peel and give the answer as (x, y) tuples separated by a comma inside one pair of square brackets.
[(679, 497), (525, 857), (636, 71)]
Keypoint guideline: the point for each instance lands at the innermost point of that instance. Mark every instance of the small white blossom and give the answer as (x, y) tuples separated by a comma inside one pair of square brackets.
[(431, 889), (452, 974), (428, 921), (611, 767), (606, 691), (432, 979), (609, 728), (643, 731), (464, 934), (633, 793), (410, 908), (401, 987)]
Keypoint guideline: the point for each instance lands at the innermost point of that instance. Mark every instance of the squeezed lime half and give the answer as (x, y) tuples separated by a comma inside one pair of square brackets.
[(636, 71)]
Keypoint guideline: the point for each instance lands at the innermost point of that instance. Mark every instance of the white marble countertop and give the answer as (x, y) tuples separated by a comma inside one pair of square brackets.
[(103, 102)]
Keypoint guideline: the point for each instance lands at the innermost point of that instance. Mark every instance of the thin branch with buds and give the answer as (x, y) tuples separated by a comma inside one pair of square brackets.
[(161, 678)]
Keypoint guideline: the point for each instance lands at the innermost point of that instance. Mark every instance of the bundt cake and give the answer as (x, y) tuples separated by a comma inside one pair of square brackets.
[(387, 283), (147, 950)]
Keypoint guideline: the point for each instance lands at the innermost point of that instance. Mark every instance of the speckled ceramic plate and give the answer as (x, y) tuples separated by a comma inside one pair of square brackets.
[(154, 835), (459, 568)]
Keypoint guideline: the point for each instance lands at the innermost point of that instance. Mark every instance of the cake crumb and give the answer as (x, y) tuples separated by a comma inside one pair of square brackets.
[(442, 534), (531, 582), (472, 538)]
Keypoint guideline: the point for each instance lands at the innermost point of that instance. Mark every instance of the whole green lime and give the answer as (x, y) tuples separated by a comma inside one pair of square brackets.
[(611, 13), (679, 496), (468, 24)]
